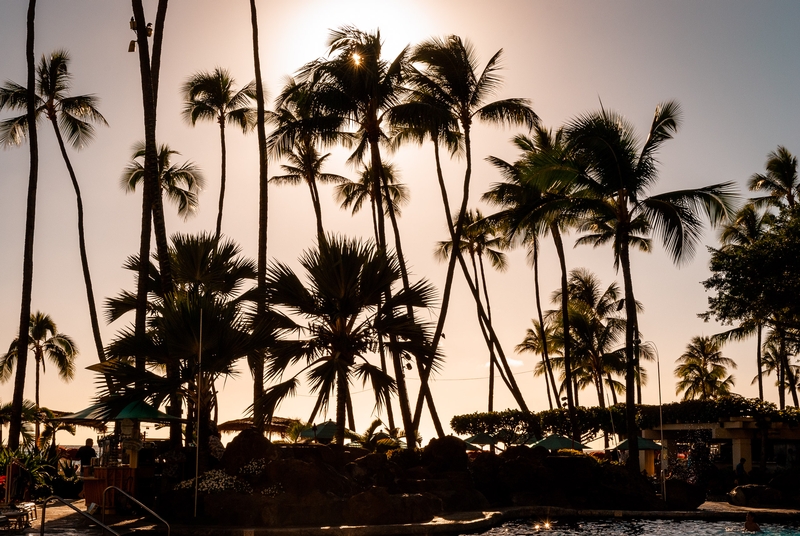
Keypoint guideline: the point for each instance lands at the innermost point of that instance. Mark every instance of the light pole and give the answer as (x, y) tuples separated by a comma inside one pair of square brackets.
[(661, 424)]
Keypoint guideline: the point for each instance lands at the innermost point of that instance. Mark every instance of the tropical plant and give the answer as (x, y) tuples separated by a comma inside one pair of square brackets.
[(481, 239), (356, 85), (210, 277), (703, 370), (15, 424), (211, 97), (619, 169), (182, 183), (780, 181), (449, 93), (346, 313), (373, 440), (70, 116), (47, 344), (30, 413)]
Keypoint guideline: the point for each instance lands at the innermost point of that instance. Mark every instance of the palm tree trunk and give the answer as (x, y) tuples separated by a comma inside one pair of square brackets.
[(38, 359), (631, 329), (312, 188), (263, 207), (222, 173), (554, 231), (15, 422), (613, 392), (759, 364), (341, 402), (545, 354), (87, 277), (788, 375)]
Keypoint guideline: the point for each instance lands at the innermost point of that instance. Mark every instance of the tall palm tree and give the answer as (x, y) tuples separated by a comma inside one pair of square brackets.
[(358, 86), (481, 239), (619, 171), (344, 312), (535, 201), (211, 97), (703, 370), (449, 92), (71, 116), (17, 402), (298, 133), (181, 183), (47, 344), (780, 181), (257, 361), (773, 361), (540, 340), (748, 225)]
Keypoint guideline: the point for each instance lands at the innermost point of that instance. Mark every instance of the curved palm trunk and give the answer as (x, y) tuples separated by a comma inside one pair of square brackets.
[(631, 324), (263, 206), (312, 188), (15, 422), (87, 277), (545, 352), (221, 120), (37, 432), (492, 357), (571, 393)]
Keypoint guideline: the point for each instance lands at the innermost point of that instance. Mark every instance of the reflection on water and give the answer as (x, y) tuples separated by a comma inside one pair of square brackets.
[(636, 528)]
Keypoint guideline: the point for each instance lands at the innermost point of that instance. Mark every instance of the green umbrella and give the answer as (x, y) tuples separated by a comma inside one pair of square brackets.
[(481, 439), (556, 442), (644, 444), (143, 411), (326, 431)]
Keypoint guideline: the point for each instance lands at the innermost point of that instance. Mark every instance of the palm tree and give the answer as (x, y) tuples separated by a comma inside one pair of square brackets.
[(536, 201), (356, 85), (210, 277), (447, 93), (17, 403), (372, 440), (481, 239), (47, 344), (346, 313), (71, 116), (703, 370), (30, 413), (211, 97), (619, 171), (748, 226), (540, 340), (182, 183), (257, 361), (780, 181)]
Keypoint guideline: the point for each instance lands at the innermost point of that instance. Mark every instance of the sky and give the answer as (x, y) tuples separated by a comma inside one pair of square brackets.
[(732, 65)]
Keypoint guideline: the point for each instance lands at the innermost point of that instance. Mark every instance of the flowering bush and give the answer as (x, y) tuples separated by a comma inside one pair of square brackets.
[(272, 491), (254, 467), (215, 481)]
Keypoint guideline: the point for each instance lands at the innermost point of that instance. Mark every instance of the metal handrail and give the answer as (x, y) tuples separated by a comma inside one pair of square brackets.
[(81, 512), (134, 499)]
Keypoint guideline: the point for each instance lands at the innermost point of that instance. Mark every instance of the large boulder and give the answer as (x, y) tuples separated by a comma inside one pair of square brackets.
[(755, 496), (377, 507), (445, 454), (249, 445)]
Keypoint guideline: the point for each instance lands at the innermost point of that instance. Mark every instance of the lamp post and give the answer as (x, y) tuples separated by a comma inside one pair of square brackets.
[(661, 424)]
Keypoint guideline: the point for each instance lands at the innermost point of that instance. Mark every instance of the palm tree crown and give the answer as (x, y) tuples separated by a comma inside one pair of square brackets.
[(703, 370)]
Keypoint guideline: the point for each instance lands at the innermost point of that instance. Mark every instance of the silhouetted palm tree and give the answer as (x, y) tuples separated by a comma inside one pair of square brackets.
[(619, 171), (780, 181), (47, 344), (345, 313), (71, 116), (211, 97), (703, 370), (182, 183)]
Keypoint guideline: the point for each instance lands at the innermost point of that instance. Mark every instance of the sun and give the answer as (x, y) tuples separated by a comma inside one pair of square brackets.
[(356, 58)]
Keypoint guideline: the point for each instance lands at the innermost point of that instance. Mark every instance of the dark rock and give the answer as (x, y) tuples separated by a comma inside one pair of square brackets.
[(298, 477), (682, 495), (446, 454), (376, 506), (372, 469), (249, 445), (755, 496)]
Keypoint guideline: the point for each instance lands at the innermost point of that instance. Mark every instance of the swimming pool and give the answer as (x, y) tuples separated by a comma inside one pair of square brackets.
[(648, 527)]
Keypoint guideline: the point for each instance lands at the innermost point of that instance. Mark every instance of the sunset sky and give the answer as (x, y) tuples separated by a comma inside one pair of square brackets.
[(734, 66)]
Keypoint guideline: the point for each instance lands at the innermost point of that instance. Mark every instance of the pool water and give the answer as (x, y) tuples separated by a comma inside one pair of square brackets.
[(637, 528)]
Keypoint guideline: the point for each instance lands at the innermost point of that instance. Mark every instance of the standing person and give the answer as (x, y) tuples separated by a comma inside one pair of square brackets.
[(741, 473), (86, 453)]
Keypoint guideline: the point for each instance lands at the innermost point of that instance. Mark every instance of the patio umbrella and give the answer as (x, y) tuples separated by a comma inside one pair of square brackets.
[(481, 439), (144, 412), (555, 442), (324, 431), (644, 444), (278, 425)]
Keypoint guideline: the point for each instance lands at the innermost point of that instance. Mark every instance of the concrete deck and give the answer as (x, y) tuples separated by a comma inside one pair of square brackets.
[(61, 520)]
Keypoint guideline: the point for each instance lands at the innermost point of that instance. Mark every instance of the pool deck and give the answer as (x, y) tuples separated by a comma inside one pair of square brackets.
[(61, 520)]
